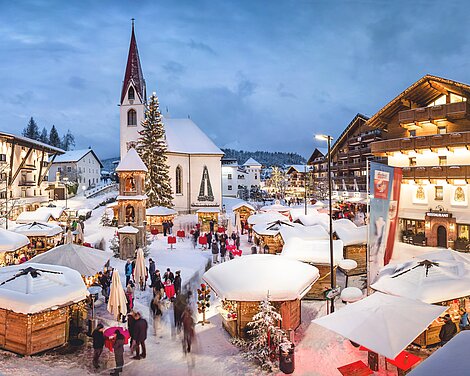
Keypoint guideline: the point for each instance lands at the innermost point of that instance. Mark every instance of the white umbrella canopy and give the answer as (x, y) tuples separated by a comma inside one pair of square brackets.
[(229, 225), (80, 233), (382, 323), (69, 237), (139, 271), (238, 223), (117, 298)]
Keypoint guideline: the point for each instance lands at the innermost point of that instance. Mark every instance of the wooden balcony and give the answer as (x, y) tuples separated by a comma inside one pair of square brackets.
[(343, 155), (436, 172), (457, 110), (435, 141)]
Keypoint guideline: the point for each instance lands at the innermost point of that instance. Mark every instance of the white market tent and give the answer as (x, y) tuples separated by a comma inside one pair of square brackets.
[(382, 323), (304, 232), (11, 241), (160, 211), (314, 251), (251, 277), (28, 295), (38, 229), (85, 260), (266, 218), (349, 233), (450, 360), (433, 277)]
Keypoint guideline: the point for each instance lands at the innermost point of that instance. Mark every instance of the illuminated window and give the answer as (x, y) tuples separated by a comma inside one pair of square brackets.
[(412, 161), (412, 132), (441, 129), (442, 160), (439, 193)]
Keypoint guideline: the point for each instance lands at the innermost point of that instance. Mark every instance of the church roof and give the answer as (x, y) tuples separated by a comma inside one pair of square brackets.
[(184, 136), (134, 72), (131, 162), (251, 162)]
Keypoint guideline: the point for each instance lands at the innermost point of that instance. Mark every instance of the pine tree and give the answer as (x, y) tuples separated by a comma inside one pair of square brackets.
[(54, 139), (152, 148), (105, 219), (44, 137), (68, 141), (31, 130), (114, 245)]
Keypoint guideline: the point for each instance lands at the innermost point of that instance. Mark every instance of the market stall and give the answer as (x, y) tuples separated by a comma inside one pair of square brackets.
[(205, 216), (355, 243), (43, 214), (42, 236), (277, 208), (244, 210), (268, 234), (157, 215), (315, 252), (441, 277), (13, 247), (243, 282), (40, 306)]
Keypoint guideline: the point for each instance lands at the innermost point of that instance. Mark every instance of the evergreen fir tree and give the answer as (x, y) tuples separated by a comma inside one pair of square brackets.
[(54, 139), (44, 137), (68, 141), (105, 219), (152, 148), (31, 130), (114, 245)]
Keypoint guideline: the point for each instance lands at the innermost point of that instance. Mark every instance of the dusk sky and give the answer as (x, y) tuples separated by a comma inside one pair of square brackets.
[(254, 75)]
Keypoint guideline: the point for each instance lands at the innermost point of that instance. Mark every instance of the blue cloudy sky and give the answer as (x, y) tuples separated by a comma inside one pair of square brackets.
[(255, 75)]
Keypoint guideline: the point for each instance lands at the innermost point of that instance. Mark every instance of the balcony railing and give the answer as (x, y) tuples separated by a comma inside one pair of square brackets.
[(422, 142), (26, 183), (436, 172), (343, 155), (458, 110)]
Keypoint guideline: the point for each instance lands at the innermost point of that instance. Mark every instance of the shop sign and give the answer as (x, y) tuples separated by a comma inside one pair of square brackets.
[(439, 214)]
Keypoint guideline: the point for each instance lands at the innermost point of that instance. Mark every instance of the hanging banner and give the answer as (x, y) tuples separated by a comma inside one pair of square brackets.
[(385, 182)]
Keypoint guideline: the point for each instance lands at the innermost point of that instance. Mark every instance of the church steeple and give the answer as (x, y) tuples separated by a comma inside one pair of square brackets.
[(134, 73)]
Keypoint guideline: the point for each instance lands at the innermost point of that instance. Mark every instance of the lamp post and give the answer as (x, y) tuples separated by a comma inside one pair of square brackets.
[(65, 180), (305, 188), (7, 172), (332, 268)]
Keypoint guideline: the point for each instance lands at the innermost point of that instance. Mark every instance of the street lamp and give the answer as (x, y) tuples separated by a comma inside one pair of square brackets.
[(332, 268)]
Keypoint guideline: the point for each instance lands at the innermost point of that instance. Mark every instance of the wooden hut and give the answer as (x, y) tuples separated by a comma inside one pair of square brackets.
[(205, 216), (315, 252), (42, 236), (157, 215), (268, 234), (243, 282), (43, 214), (39, 306), (13, 247), (244, 210), (355, 243)]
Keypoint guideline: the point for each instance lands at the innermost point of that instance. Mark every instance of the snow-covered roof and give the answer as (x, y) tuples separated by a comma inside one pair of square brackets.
[(25, 141), (349, 233), (297, 230), (297, 210), (382, 323), (208, 210), (25, 294), (265, 218), (276, 207), (128, 230), (38, 229), (243, 204), (447, 279), (42, 214), (315, 251), (272, 228), (75, 156), (85, 260), (11, 241), (135, 197), (252, 277), (299, 168), (184, 136), (131, 162), (160, 211), (252, 163), (321, 219)]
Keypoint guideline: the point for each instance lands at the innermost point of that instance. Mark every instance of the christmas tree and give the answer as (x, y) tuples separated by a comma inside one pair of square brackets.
[(105, 219), (265, 334), (152, 148)]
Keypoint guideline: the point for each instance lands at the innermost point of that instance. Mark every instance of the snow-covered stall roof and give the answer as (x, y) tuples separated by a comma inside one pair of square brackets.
[(160, 211), (131, 162), (26, 294), (251, 277), (208, 210), (299, 210), (34, 216), (276, 207), (304, 232), (321, 219), (184, 136), (243, 204), (349, 233), (85, 260), (314, 251), (271, 228), (38, 229), (11, 241), (128, 230), (383, 323), (451, 359), (255, 219), (433, 277)]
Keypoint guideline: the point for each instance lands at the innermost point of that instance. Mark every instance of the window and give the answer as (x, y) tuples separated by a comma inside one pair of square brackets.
[(131, 93), (59, 169), (69, 169), (129, 185), (3, 157), (441, 129), (463, 231), (131, 118), (179, 180), (412, 161), (229, 187), (256, 176), (412, 132), (442, 160), (439, 192), (229, 176)]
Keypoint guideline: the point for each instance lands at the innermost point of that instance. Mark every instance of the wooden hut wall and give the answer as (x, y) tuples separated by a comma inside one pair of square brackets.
[(357, 253), (274, 242), (323, 283), (244, 213)]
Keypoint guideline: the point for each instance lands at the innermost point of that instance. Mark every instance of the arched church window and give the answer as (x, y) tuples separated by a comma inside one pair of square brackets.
[(179, 180), (131, 118), (131, 93), (130, 213)]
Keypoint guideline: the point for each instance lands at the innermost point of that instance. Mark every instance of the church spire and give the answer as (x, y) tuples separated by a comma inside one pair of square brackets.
[(133, 71)]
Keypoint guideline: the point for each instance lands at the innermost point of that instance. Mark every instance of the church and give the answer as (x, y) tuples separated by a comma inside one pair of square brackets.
[(193, 158)]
